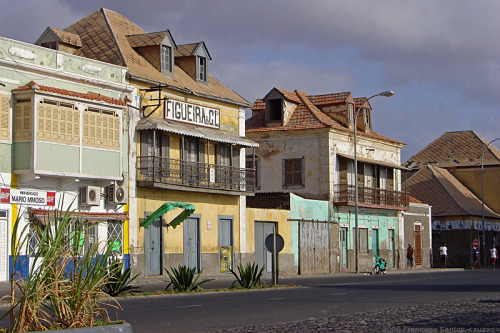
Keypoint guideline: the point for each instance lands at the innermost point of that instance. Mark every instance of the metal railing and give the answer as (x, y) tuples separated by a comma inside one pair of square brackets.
[(370, 195), (162, 170)]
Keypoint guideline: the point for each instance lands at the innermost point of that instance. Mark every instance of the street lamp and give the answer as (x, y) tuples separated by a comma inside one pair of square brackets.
[(387, 93), (482, 200)]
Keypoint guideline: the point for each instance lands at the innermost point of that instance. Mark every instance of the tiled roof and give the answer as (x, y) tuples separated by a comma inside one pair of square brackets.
[(68, 38), (186, 50), (104, 37), (147, 39), (455, 149), (447, 196), (329, 99), (89, 95), (413, 200), (307, 115)]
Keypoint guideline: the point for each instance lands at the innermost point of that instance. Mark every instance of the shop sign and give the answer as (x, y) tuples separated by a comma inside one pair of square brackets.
[(192, 114), (27, 197)]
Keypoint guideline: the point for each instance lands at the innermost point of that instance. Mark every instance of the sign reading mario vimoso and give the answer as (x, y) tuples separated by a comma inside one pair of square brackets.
[(27, 197), (192, 113)]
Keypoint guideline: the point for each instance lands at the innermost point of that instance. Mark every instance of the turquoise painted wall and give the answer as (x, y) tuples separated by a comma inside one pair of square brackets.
[(370, 220), (306, 209), (101, 162), (22, 156), (5, 163), (57, 158)]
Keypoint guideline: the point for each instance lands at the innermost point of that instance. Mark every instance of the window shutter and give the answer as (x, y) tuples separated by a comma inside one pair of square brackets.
[(4, 117), (201, 151), (236, 157)]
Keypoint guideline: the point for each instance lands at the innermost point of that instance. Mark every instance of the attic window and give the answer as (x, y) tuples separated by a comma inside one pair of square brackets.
[(166, 59), (50, 45), (202, 69), (367, 118), (350, 114), (274, 109)]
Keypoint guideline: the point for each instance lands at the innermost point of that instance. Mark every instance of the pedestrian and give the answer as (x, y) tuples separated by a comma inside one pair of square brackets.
[(409, 257), (493, 256), (443, 251), (475, 257)]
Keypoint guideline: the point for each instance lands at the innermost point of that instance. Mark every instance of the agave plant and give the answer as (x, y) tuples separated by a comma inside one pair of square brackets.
[(119, 280), (64, 288), (249, 275), (185, 279)]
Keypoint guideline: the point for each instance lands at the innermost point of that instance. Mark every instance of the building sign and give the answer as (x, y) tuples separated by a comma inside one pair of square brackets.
[(192, 114), (27, 197)]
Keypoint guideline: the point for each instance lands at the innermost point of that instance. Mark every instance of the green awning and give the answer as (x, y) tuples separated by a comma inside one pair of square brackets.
[(188, 209)]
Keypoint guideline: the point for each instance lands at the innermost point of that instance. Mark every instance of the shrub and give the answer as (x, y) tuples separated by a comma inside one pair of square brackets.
[(185, 279), (64, 288), (249, 276), (118, 279)]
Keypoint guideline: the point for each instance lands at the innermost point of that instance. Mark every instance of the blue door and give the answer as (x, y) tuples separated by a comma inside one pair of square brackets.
[(153, 247)]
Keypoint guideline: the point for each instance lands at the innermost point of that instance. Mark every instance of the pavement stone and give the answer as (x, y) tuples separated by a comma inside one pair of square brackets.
[(471, 315)]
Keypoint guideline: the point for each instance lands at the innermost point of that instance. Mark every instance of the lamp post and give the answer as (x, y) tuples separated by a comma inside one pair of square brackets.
[(387, 93), (482, 200)]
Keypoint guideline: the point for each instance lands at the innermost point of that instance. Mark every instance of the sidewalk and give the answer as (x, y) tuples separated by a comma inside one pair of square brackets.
[(158, 283)]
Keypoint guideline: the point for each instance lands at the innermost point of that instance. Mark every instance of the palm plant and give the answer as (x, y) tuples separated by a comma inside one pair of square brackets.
[(119, 280), (249, 276), (65, 286), (185, 279)]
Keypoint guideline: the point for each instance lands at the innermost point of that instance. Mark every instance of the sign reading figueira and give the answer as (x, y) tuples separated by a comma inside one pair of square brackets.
[(27, 197), (192, 113)]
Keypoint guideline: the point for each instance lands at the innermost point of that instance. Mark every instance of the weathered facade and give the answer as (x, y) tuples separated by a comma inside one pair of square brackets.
[(418, 233), (63, 144), (447, 175), (187, 145), (306, 148)]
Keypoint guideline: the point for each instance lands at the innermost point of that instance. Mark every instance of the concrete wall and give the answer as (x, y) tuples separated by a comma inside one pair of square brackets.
[(419, 214), (286, 258)]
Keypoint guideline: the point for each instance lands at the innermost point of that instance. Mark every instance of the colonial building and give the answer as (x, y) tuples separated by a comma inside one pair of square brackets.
[(446, 174), (63, 143), (187, 147), (306, 147)]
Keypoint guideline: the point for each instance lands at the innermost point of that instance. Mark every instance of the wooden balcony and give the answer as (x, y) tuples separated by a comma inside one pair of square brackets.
[(161, 172), (369, 196)]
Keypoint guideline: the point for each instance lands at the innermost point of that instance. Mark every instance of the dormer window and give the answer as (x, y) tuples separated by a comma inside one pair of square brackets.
[(367, 118), (202, 69), (166, 59), (274, 109), (350, 114)]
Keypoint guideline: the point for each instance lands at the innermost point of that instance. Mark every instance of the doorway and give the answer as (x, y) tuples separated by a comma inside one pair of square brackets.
[(418, 245), (192, 245), (375, 242), (343, 248), (226, 249), (153, 247), (263, 257)]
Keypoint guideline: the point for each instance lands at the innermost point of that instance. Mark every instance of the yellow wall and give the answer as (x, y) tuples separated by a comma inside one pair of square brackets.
[(279, 216), (208, 206)]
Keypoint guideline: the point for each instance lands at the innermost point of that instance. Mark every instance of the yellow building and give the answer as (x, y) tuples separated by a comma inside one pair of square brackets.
[(187, 146)]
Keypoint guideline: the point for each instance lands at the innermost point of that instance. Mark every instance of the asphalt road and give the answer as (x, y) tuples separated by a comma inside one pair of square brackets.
[(316, 297)]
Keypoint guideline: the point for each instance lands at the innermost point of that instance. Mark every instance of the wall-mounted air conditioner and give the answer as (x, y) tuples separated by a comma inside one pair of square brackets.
[(117, 192), (90, 195)]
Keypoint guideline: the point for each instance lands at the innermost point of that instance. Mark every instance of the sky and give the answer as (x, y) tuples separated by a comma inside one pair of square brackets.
[(441, 58)]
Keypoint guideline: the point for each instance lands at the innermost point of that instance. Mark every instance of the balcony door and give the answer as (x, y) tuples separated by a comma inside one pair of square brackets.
[(193, 156)]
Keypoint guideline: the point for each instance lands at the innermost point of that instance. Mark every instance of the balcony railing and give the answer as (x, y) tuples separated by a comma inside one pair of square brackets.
[(370, 195), (169, 171)]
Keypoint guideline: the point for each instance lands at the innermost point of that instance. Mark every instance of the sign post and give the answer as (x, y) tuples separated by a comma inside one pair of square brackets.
[(274, 244), (475, 243)]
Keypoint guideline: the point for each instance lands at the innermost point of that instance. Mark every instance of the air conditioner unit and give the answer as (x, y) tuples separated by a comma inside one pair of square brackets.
[(116, 193), (90, 195)]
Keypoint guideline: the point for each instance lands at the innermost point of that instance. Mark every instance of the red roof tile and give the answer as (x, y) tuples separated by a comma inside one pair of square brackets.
[(89, 95), (307, 115)]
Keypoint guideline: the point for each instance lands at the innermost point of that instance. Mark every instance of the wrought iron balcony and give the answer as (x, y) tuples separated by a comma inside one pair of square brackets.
[(370, 196), (154, 171)]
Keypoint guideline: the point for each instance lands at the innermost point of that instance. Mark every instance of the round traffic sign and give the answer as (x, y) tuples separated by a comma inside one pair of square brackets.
[(475, 243), (280, 242)]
